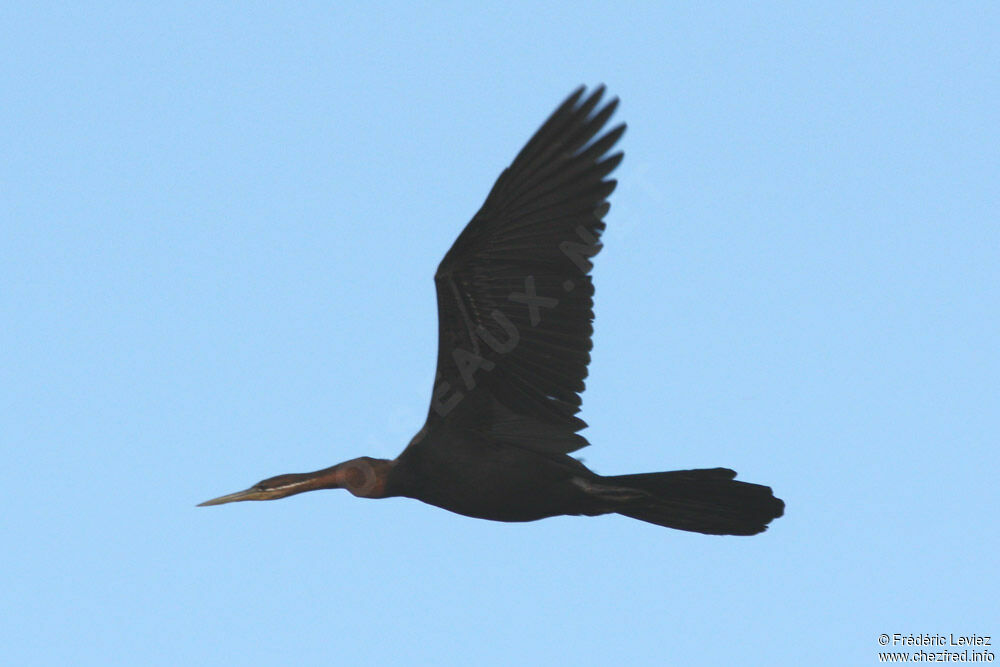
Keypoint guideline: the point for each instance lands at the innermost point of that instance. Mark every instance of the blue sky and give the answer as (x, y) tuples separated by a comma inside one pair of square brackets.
[(219, 229)]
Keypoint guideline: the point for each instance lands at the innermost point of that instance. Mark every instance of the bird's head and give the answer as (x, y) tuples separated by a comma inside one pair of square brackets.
[(365, 477)]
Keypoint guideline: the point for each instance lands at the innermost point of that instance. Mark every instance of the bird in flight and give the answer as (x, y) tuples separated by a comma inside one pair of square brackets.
[(515, 318)]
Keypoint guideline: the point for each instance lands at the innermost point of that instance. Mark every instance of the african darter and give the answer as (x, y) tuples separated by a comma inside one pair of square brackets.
[(515, 320)]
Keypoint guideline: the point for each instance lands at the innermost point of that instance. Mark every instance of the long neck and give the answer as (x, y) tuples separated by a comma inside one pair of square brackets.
[(365, 477)]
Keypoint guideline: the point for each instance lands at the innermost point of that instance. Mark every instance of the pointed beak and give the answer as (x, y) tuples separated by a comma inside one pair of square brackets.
[(248, 494)]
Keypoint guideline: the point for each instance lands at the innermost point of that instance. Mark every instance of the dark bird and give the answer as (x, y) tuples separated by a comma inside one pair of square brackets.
[(515, 314)]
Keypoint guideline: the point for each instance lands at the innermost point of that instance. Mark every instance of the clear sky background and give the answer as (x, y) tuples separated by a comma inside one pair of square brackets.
[(219, 227)]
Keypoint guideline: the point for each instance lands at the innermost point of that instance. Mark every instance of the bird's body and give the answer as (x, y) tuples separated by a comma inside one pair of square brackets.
[(471, 475), (515, 301)]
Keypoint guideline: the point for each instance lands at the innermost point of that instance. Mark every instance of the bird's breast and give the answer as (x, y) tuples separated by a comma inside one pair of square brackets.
[(500, 484)]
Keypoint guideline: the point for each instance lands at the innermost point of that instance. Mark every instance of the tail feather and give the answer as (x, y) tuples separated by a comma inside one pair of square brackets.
[(703, 501)]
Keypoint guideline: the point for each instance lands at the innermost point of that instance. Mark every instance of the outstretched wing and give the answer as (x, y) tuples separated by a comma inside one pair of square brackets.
[(514, 295)]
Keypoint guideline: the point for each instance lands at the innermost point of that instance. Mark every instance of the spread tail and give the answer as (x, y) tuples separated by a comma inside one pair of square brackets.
[(703, 501)]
